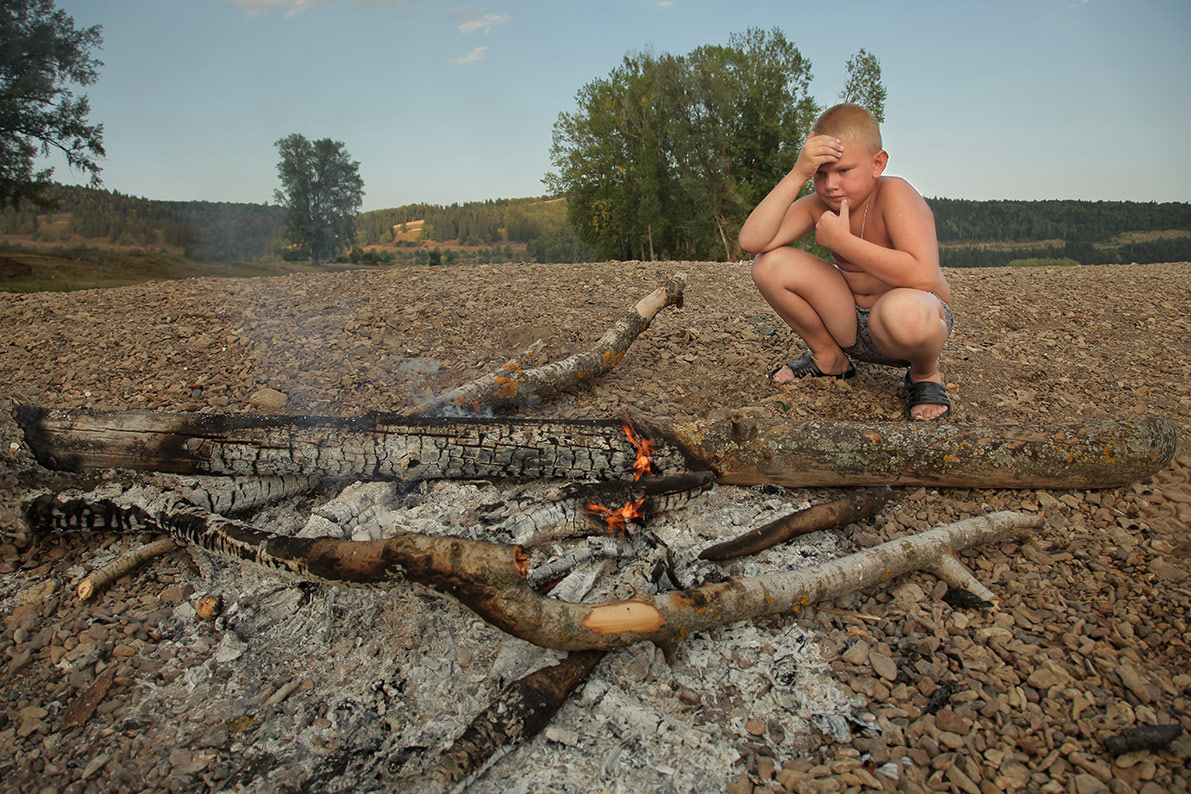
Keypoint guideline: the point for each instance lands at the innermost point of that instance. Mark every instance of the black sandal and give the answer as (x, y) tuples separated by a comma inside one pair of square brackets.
[(925, 392), (806, 367)]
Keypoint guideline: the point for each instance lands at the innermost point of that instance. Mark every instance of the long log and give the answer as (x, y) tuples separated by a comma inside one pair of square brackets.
[(740, 451), (370, 447)]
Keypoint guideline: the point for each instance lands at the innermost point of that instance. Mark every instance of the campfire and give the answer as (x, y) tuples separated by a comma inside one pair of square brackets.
[(540, 534)]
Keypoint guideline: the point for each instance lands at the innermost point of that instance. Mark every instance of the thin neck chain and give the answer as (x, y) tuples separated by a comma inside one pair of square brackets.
[(864, 219)]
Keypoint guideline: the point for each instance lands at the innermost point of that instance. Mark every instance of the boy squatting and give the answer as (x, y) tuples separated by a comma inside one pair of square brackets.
[(884, 300)]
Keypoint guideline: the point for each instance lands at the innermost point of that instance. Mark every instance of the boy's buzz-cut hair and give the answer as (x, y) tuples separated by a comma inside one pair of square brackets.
[(850, 122)]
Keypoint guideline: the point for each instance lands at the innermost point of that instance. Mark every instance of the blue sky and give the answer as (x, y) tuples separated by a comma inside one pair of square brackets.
[(445, 102)]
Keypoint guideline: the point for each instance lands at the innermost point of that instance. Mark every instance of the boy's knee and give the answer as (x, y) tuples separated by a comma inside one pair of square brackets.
[(771, 265), (910, 317), (764, 268)]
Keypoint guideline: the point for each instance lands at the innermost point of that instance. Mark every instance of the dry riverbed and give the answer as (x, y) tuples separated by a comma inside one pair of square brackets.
[(305, 688)]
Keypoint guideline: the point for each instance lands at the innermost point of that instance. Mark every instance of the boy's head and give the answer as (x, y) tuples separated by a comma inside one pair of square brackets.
[(854, 175), (850, 123)]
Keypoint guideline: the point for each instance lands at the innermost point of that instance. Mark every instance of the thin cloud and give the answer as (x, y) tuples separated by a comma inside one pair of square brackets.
[(473, 20), (472, 58), (665, 4), (295, 7)]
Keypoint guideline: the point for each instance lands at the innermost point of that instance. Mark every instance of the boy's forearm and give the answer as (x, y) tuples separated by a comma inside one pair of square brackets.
[(765, 221), (892, 266)]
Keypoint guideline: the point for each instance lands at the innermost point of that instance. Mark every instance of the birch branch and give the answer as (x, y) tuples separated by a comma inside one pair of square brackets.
[(491, 578), (516, 386)]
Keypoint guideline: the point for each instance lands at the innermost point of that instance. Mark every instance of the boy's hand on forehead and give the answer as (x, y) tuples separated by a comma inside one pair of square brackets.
[(817, 150)]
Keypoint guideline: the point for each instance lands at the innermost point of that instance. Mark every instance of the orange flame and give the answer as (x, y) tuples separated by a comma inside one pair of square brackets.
[(617, 519), (642, 466)]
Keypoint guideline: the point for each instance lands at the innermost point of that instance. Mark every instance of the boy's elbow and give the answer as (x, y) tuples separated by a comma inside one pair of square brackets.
[(750, 244)]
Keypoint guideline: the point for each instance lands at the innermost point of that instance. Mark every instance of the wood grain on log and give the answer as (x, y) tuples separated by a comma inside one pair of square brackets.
[(374, 446), (740, 451), (821, 453)]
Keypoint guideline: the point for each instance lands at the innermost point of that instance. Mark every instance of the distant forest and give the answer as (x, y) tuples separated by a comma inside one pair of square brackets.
[(204, 230), (971, 233)]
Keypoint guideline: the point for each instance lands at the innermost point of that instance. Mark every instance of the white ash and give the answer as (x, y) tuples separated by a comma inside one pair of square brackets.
[(380, 682)]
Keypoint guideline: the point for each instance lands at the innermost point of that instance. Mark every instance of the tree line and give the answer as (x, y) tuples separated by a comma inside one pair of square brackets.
[(1087, 232), (204, 230), (961, 220)]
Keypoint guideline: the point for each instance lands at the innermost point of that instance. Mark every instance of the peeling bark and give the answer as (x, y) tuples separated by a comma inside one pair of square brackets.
[(491, 579), (514, 385)]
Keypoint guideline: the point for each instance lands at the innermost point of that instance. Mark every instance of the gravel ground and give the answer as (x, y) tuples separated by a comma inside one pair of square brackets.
[(1090, 638)]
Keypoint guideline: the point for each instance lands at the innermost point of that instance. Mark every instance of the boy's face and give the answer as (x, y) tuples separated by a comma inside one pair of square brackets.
[(852, 176)]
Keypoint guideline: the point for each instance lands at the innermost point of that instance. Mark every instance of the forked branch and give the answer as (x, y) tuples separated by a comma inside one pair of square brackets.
[(491, 578)]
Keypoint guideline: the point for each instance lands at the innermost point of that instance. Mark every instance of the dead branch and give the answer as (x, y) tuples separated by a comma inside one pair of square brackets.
[(854, 507), (102, 577), (491, 579), (514, 385), (477, 393), (518, 714)]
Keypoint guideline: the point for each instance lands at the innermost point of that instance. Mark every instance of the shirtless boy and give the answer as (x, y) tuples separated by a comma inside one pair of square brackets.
[(884, 300)]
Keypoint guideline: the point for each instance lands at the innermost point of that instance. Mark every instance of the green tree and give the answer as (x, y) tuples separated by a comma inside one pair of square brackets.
[(41, 55), (864, 86), (666, 156), (321, 191)]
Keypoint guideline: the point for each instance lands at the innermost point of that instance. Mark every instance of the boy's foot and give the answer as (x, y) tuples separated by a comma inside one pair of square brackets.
[(926, 400), (806, 367)]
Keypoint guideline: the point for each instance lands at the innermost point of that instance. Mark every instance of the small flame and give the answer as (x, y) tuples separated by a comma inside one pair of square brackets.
[(617, 519), (642, 466)]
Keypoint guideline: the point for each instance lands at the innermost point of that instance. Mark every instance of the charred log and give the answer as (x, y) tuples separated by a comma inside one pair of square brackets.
[(518, 714), (744, 452), (374, 446)]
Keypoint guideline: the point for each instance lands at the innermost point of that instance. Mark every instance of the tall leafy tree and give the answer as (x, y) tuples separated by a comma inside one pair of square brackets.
[(864, 86), (42, 54), (321, 191), (665, 156)]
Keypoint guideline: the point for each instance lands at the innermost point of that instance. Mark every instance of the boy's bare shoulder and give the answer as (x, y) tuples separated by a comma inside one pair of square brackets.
[(896, 192)]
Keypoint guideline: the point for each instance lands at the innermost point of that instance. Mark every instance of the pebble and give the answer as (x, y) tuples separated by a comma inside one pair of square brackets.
[(883, 665)]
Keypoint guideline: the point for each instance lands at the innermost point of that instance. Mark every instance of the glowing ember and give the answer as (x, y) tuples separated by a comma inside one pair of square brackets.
[(617, 519), (642, 465)]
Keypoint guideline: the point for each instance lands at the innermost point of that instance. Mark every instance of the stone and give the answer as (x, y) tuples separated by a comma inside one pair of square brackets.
[(268, 399), (1132, 680), (883, 665), (1089, 784), (856, 654)]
